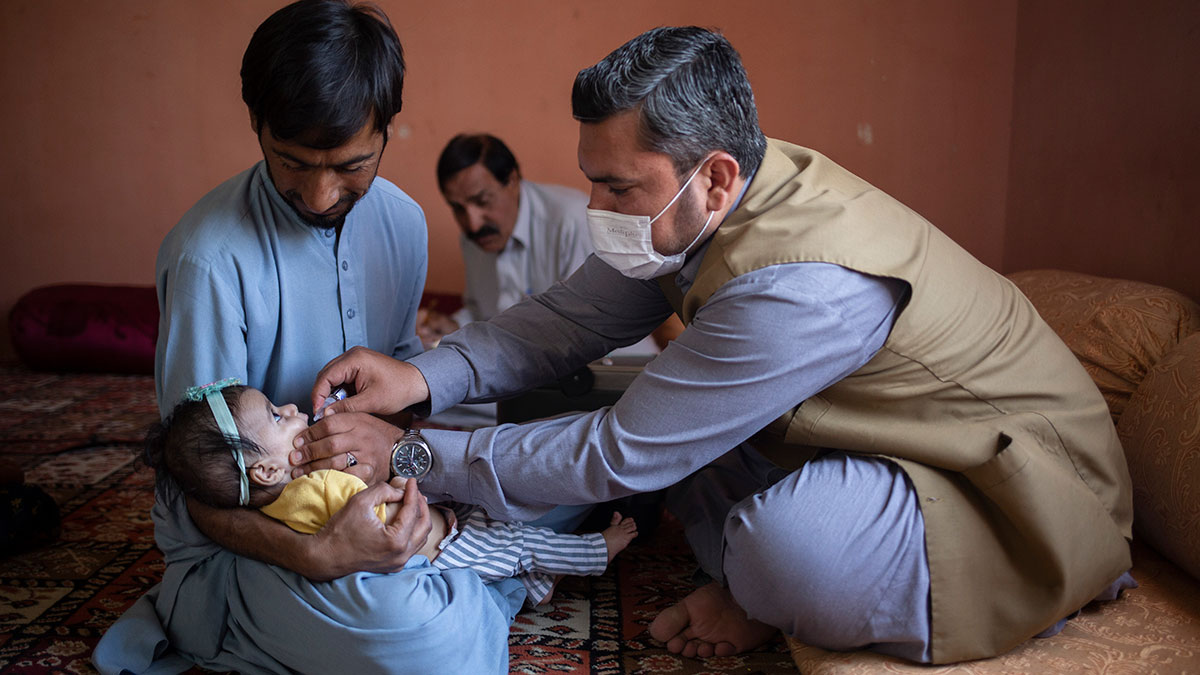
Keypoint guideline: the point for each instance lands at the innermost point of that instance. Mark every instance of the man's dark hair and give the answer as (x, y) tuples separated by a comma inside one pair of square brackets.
[(690, 90), (317, 70), (465, 150)]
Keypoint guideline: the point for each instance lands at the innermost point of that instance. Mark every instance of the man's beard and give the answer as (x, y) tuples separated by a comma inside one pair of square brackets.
[(292, 198), (684, 217), (335, 220)]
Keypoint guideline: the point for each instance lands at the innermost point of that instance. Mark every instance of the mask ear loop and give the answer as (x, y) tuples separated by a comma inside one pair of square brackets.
[(677, 195), (699, 234), (220, 410), (681, 189)]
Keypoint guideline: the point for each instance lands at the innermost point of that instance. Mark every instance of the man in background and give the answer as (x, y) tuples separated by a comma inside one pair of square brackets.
[(518, 236)]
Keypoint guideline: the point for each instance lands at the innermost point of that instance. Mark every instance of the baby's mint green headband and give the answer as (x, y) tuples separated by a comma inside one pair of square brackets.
[(220, 410)]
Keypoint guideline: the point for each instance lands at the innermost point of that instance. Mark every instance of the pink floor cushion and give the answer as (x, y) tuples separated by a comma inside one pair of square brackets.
[(86, 328)]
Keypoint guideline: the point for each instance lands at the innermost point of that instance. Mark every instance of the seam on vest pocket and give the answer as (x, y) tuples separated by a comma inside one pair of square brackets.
[(1009, 461)]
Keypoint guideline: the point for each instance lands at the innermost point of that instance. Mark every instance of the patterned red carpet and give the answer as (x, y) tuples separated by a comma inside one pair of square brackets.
[(76, 437), (49, 412)]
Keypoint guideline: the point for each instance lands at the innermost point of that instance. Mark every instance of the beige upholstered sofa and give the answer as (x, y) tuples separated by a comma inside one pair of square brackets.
[(1141, 344)]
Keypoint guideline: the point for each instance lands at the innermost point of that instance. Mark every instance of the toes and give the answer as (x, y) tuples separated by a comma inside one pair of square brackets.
[(669, 623), (616, 518), (724, 649)]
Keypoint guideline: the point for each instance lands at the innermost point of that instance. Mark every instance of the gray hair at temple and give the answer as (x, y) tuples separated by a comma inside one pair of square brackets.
[(690, 90)]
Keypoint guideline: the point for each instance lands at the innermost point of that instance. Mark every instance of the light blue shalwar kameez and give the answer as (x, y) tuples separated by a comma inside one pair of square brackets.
[(247, 289), (227, 612)]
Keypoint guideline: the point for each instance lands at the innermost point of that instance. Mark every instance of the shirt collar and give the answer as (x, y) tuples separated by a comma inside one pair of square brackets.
[(687, 274), (745, 186), (523, 228)]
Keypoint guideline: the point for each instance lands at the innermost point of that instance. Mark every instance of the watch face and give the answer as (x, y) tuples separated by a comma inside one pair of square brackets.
[(412, 460)]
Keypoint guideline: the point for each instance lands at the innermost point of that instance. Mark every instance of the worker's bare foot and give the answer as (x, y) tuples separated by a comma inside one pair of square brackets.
[(709, 622), (618, 534)]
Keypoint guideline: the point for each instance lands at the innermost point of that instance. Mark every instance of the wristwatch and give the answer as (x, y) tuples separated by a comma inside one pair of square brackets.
[(411, 456)]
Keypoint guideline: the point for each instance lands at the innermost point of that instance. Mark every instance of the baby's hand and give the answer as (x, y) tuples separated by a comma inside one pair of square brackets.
[(398, 483), (392, 508)]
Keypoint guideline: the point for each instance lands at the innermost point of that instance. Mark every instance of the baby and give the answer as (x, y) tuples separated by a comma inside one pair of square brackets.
[(227, 445)]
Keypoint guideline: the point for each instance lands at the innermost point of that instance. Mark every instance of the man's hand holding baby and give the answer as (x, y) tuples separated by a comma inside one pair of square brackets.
[(355, 539)]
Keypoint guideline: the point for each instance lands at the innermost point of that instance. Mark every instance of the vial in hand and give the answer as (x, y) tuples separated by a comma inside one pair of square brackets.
[(335, 395)]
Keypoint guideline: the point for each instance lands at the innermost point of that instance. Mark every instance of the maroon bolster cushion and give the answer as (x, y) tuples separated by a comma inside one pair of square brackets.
[(86, 328), (446, 303)]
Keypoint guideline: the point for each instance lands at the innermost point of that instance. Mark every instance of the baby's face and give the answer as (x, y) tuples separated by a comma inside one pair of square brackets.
[(273, 427)]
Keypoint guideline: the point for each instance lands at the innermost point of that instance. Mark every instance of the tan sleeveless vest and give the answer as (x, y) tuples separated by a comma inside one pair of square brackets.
[(1021, 477)]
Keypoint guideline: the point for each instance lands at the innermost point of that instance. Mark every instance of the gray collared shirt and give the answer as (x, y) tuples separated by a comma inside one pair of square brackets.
[(549, 241), (765, 341)]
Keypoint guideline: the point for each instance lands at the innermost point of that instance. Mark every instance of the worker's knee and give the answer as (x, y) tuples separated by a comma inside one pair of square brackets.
[(818, 554), (791, 573)]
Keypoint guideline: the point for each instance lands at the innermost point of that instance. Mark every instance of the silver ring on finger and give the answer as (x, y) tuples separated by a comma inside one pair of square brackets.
[(350, 460)]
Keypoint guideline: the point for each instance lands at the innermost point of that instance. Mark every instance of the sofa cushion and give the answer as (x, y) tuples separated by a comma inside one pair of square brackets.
[(86, 328), (1118, 329), (1160, 431)]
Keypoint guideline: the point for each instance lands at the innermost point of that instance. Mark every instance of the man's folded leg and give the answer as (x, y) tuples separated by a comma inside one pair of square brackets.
[(834, 555), (227, 613), (410, 621)]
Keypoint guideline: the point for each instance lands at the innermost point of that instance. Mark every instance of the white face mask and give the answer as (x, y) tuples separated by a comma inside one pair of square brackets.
[(625, 241)]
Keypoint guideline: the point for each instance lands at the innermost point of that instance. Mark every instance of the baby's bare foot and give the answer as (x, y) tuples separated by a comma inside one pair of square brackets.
[(618, 534), (550, 596)]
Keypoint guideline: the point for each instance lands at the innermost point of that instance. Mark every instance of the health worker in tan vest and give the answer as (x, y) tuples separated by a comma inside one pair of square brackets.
[(873, 439)]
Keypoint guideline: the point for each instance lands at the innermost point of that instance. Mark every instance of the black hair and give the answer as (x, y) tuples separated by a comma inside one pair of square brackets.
[(190, 453), (316, 71), (465, 150), (690, 90)]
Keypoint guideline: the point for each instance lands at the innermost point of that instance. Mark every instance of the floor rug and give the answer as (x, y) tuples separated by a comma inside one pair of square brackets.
[(50, 412), (56, 601)]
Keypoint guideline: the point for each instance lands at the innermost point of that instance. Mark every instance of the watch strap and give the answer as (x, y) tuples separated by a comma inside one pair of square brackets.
[(392, 457)]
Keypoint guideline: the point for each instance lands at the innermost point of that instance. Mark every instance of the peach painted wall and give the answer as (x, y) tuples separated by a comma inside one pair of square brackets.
[(1105, 174), (119, 115)]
